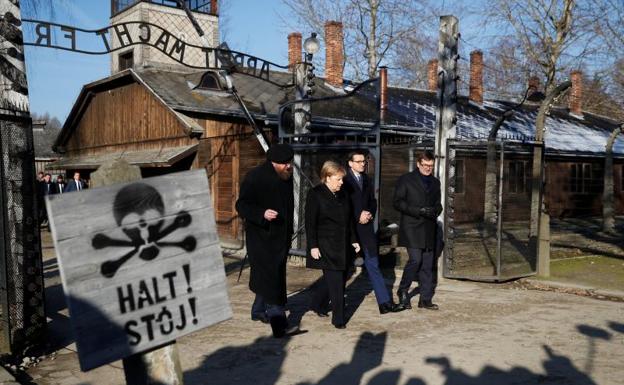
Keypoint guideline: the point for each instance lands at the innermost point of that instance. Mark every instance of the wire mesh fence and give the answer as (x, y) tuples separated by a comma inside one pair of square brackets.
[(21, 292), (488, 208)]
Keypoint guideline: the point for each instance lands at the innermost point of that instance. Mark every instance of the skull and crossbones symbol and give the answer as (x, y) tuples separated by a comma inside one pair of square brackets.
[(134, 207)]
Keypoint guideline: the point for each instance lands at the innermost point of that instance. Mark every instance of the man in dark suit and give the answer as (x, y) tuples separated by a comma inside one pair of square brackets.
[(266, 203), (75, 184), (362, 195), (60, 184), (417, 198)]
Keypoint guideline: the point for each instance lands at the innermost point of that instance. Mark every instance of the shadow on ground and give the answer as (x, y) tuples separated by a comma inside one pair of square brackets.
[(582, 236), (260, 363)]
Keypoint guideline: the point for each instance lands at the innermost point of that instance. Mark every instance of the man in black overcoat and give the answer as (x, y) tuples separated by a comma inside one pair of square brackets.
[(417, 198), (361, 192), (266, 204)]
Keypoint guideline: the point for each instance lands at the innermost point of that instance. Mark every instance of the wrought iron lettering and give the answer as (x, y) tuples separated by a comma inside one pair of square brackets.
[(121, 35), (71, 35), (42, 35)]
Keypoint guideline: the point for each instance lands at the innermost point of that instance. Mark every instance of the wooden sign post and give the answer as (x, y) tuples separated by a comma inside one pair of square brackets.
[(140, 262)]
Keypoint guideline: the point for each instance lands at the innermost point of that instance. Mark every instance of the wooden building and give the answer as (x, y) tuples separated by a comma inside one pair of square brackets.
[(165, 118)]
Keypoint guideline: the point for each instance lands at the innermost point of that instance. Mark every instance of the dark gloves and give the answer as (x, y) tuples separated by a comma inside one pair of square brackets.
[(428, 212)]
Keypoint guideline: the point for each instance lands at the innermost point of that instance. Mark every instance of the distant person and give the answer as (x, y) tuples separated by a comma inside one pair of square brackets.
[(266, 203), (417, 198), (361, 192), (39, 197), (76, 184), (331, 239), (60, 184), (46, 187)]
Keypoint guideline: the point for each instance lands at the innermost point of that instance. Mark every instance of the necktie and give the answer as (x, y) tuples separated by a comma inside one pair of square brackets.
[(78, 185), (358, 177)]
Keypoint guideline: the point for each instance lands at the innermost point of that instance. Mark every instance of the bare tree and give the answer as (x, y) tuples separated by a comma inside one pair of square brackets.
[(490, 211), (548, 31), (610, 13), (551, 35), (507, 69), (376, 32), (602, 95)]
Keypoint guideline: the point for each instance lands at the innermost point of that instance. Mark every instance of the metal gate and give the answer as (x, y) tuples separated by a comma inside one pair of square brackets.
[(487, 211), (22, 318)]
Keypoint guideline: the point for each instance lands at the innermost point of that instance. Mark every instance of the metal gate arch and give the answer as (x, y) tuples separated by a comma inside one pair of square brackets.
[(474, 248)]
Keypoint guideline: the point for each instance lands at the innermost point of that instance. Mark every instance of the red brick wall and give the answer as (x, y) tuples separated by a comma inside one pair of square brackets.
[(432, 75), (334, 54), (294, 49), (476, 76)]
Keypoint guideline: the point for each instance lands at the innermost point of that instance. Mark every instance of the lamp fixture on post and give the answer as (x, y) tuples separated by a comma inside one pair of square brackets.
[(311, 46)]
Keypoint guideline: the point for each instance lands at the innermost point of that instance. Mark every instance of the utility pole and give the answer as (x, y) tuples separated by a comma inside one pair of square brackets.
[(539, 230), (304, 83), (301, 113), (447, 94), (447, 102), (22, 315)]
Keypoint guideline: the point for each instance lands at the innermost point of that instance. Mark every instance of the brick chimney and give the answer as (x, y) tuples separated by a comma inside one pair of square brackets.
[(432, 75), (294, 49), (214, 7), (575, 100), (334, 53), (476, 76), (383, 99), (534, 85)]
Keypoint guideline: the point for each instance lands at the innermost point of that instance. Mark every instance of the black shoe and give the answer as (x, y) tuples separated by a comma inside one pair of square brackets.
[(385, 308), (279, 325), (397, 307), (404, 299), (321, 314), (260, 317), (292, 331), (340, 326), (428, 305), (389, 307)]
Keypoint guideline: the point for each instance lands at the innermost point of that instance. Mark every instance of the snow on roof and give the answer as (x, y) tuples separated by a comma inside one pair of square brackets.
[(565, 133)]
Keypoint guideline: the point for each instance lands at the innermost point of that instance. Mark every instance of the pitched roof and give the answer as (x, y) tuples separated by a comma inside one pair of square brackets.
[(409, 110), (161, 157), (43, 138)]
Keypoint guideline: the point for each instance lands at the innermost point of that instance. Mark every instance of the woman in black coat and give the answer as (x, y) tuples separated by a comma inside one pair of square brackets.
[(331, 239)]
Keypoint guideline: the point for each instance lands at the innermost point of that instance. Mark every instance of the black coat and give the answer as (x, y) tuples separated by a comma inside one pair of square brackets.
[(48, 188), (362, 199), (268, 242), (329, 226), (409, 197)]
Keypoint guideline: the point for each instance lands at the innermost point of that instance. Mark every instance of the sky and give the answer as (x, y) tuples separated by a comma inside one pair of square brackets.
[(56, 77)]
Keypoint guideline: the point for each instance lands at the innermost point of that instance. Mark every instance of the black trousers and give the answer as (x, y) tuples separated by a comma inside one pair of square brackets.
[(420, 263), (331, 288)]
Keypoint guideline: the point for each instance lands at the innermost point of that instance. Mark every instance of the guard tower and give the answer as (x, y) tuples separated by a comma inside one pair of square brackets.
[(169, 16)]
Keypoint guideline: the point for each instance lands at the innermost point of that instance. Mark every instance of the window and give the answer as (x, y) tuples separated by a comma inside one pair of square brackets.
[(518, 177), (126, 60), (209, 81), (586, 178), (194, 5), (459, 176)]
